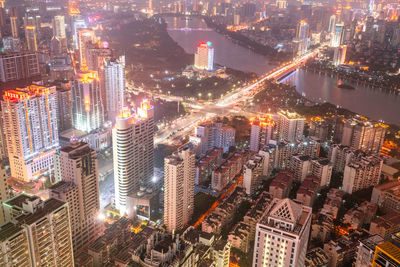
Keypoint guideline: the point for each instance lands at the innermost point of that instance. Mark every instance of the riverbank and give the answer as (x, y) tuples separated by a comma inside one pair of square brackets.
[(358, 77), (246, 42)]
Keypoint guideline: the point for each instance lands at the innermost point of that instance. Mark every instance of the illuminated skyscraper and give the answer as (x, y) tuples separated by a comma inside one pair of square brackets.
[(30, 123), (204, 57), (282, 234), (179, 174), (337, 35), (302, 37), (133, 151), (30, 35), (14, 22), (76, 25), (85, 36), (87, 108), (114, 79), (339, 55), (76, 170)]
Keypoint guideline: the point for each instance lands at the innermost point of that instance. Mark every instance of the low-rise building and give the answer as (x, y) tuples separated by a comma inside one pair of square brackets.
[(227, 170), (387, 196), (316, 257), (307, 192), (342, 251), (281, 184), (224, 212), (386, 225), (206, 164), (361, 215), (366, 250), (333, 202), (240, 237), (321, 227)]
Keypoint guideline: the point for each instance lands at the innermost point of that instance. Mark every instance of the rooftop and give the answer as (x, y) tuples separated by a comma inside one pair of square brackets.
[(8, 230), (46, 208), (18, 200)]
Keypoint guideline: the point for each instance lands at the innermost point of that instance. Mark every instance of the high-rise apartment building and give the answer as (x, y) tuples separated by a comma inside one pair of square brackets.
[(179, 174), (204, 57), (365, 135), (133, 151), (77, 172), (290, 126), (39, 234), (18, 66), (361, 173), (261, 132), (300, 165), (30, 123), (114, 80), (213, 134), (87, 107), (85, 36), (322, 168), (282, 234)]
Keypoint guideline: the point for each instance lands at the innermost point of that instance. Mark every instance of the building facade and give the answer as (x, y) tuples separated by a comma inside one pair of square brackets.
[(133, 151), (282, 234), (77, 172), (30, 124), (87, 107), (179, 175)]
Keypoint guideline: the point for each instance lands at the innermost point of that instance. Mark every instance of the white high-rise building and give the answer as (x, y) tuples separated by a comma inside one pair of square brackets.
[(114, 79), (133, 152), (77, 172), (365, 135), (261, 132), (204, 57), (322, 168), (87, 108), (179, 174), (282, 234), (290, 126), (362, 173), (59, 27), (30, 125)]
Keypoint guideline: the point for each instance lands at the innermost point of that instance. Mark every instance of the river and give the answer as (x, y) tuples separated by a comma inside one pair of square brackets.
[(371, 102)]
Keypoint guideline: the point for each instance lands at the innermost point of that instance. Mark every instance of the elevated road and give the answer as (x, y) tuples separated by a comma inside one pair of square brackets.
[(221, 107)]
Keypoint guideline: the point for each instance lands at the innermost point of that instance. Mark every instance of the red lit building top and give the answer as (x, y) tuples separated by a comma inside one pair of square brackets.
[(262, 121), (15, 95)]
